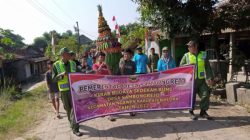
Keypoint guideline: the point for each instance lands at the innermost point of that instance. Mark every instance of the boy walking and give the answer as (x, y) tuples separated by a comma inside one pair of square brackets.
[(52, 89)]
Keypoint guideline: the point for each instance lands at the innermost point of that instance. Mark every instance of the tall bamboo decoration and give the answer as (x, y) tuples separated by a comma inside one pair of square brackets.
[(107, 43)]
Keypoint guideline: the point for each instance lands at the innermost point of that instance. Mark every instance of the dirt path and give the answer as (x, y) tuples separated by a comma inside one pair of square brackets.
[(231, 122), (31, 86)]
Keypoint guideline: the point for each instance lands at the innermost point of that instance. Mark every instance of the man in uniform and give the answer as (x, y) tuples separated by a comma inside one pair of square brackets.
[(203, 72), (61, 68), (153, 60)]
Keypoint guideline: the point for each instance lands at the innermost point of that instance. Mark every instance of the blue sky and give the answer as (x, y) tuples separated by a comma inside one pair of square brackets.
[(31, 18)]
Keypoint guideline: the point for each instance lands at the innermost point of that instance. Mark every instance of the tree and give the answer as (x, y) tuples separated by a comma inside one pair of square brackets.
[(10, 39), (67, 34), (40, 42), (70, 43), (235, 14), (176, 16), (132, 34), (47, 37)]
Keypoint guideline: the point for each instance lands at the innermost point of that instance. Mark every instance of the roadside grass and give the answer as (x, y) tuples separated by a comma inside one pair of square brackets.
[(248, 109), (20, 115), (8, 95)]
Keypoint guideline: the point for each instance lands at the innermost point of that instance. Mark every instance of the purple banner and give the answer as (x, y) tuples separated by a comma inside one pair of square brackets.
[(100, 95)]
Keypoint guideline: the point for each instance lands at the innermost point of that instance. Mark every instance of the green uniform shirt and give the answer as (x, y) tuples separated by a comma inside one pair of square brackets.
[(67, 70), (153, 60)]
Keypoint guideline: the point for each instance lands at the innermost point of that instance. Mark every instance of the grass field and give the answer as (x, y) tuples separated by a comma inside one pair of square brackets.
[(20, 115)]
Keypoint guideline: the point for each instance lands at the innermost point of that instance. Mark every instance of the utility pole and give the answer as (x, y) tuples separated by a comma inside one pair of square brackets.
[(78, 35), (53, 42)]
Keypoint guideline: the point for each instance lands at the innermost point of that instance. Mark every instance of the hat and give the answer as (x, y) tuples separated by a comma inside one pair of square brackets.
[(165, 49), (139, 48), (71, 52), (191, 42), (64, 50)]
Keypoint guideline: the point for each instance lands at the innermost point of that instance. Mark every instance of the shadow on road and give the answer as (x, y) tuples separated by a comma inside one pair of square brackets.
[(161, 129)]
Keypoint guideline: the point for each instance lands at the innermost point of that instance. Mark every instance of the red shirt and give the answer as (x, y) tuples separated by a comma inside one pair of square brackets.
[(104, 70)]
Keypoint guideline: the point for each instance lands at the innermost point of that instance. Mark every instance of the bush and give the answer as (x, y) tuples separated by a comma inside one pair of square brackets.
[(9, 93)]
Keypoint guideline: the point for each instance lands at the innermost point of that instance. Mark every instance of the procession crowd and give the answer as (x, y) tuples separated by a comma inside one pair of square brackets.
[(130, 64)]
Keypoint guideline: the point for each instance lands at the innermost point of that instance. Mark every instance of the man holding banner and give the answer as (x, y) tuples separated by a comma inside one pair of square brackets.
[(128, 67), (61, 68), (141, 61), (203, 72)]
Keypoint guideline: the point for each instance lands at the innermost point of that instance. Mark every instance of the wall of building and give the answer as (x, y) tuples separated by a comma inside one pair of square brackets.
[(21, 70)]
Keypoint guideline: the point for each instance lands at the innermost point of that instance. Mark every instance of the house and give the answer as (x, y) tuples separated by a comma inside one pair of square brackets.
[(237, 41), (28, 62)]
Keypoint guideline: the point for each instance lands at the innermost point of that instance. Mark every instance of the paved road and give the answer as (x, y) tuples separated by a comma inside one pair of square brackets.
[(231, 123)]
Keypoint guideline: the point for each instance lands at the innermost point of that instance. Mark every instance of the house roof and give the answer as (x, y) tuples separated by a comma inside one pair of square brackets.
[(84, 40), (38, 59), (27, 53)]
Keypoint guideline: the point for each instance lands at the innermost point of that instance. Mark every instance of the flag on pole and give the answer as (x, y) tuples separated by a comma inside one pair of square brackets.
[(117, 28), (113, 19)]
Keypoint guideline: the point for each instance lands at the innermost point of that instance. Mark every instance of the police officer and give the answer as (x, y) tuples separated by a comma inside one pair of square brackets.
[(61, 68), (203, 72)]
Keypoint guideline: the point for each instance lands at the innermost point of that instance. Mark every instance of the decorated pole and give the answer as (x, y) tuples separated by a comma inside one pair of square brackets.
[(107, 43)]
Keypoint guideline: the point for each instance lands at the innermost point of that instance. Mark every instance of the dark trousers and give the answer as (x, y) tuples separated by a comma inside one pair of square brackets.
[(67, 104), (201, 88)]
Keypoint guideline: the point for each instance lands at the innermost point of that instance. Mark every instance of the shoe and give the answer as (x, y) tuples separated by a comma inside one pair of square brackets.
[(132, 114), (111, 118), (203, 114), (192, 115), (59, 117), (77, 133)]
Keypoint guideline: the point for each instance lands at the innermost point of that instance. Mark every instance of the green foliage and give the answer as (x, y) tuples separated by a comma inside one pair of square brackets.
[(57, 36), (194, 17), (70, 43), (112, 60), (234, 14), (132, 33), (99, 7), (67, 34), (50, 55), (7, 41), (9, 92), (66, 39), (1, 51), (47, 37), (175, 16), (10, 39), (40, 42), (9, 56), (238, 60)]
